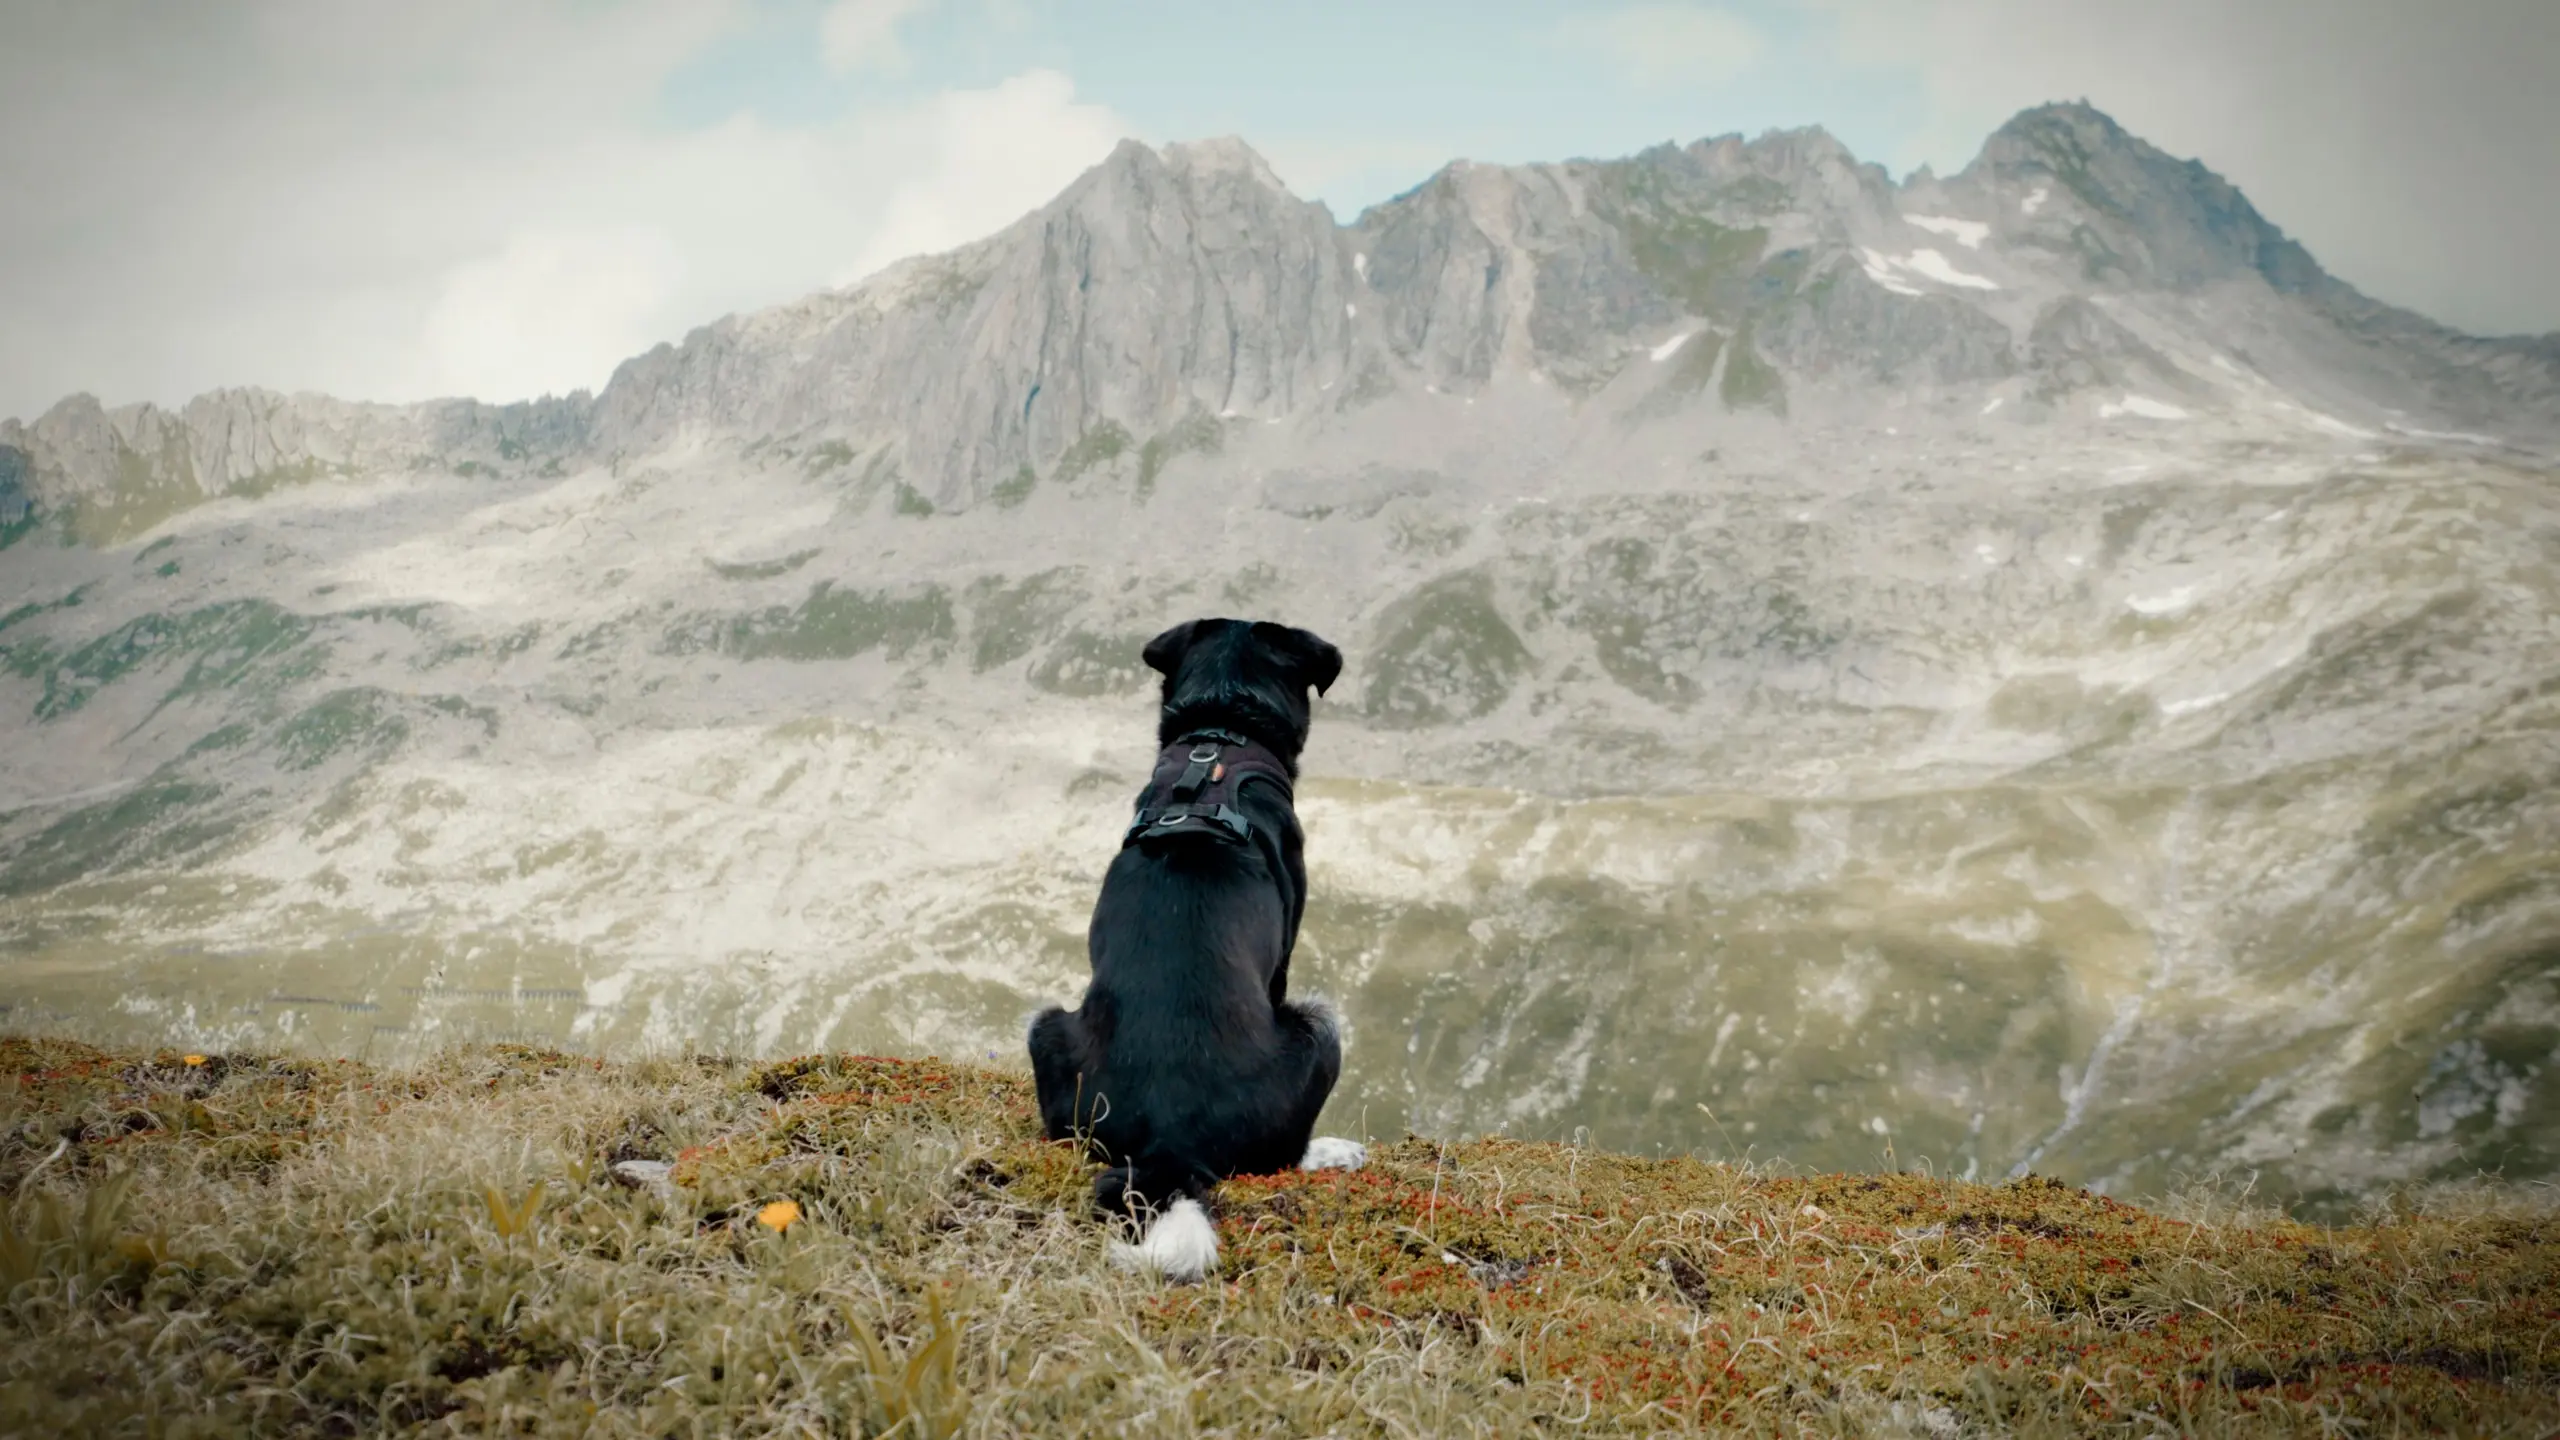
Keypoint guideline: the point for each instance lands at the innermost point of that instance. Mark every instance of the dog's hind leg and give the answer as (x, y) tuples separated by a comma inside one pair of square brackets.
[(1059, 1073), (1319, 1032)]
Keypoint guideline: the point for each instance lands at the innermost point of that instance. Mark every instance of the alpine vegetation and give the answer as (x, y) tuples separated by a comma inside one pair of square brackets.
[(2020, 669)]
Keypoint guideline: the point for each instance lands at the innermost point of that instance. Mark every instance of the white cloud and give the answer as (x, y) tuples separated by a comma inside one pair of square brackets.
[(863, 34), (408, 210), (990, 157), (1674, 43), (550, 312)]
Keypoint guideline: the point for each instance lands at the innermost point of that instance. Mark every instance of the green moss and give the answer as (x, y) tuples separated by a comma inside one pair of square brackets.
[(301, 472), (908, 500), (1195, 434), (241, 643), (1694, 259), (163, 821), (1087, 665), (1443, 653), (33, 609), (25, 525), (764, 569), (1751, 383), (225, 737), (1008, 621), (353, 718), (830, 624), (825, 456), (1100, 445), (1011, 493)]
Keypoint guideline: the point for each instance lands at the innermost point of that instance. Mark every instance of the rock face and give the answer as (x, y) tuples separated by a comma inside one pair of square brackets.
[(1161, 292), (2017, 667), (1157, 290), (113, 474)]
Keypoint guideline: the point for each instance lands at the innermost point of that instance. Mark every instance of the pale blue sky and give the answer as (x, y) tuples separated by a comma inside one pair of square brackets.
[(1368, 98), (388, 199)]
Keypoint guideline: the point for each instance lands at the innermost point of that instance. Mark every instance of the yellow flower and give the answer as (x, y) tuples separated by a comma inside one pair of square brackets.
[(193, 1059), (779, 1216)]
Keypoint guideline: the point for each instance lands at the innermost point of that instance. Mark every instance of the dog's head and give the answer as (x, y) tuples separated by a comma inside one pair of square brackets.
[(1249, 676)]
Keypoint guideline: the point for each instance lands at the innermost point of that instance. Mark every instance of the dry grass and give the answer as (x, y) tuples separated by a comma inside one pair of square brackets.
[(294, 1247)]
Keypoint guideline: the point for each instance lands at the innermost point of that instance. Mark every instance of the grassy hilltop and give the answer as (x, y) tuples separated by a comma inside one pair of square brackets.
[(223, 1245)]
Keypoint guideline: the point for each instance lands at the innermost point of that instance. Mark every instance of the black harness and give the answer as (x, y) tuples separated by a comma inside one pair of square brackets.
[(1195, 788)]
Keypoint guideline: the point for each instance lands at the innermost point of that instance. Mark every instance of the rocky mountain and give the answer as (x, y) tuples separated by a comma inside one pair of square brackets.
[(2020, 668), (1164, 292)]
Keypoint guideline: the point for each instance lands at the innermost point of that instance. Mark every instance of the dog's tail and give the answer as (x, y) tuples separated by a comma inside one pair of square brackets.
[(1172, 1201)]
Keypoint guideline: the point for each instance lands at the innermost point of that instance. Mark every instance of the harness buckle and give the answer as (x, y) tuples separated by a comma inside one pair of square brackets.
[(1203, 753)]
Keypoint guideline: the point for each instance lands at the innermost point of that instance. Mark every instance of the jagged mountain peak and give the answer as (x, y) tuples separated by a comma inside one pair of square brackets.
[(1169, 290), (1187, 165), (2154, 218), (1223, 155), (1794, 589)]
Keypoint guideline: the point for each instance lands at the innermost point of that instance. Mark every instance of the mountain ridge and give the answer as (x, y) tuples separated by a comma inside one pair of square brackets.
[(1225, 297), (1956, 662)]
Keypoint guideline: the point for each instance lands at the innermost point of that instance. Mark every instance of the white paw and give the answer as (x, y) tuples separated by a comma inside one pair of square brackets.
[(1181, 1244), (1331, 1152)]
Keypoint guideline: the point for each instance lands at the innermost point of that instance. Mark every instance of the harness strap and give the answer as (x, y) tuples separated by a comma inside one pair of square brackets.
[(1194, 792)]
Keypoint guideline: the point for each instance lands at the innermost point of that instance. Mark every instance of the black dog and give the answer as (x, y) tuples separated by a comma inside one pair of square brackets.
[(1187, 1063)]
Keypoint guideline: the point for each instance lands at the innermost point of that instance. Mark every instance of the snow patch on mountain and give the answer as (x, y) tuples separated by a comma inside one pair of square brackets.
[(1968, 233), (2143, 406)]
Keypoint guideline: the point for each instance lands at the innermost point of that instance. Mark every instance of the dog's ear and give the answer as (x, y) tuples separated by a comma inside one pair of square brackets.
[(1164, 653), (1309, 658)]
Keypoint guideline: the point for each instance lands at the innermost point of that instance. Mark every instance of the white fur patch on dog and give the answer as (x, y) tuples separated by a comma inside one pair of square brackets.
[(1332, 1152), (1181, 1244)]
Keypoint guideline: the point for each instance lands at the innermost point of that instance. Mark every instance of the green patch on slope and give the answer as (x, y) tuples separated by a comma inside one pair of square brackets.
[(1197, 433), (1010, 494), (163, 821), (1689, 256), (1098, 446), (1694, 259), (1009, 620), (763, 569), (830, 624), (359, 717), (27, 523), (1087, 665), (1443, 653), (1660, 614), (248, 645), (826, 455), (300, 472), (1751, 383)]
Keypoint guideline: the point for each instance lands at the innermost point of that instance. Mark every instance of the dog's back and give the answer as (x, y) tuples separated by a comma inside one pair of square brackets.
[(1186, 1061)]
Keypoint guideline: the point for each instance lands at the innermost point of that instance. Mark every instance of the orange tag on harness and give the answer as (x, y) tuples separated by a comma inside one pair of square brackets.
[(1217, 773)]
